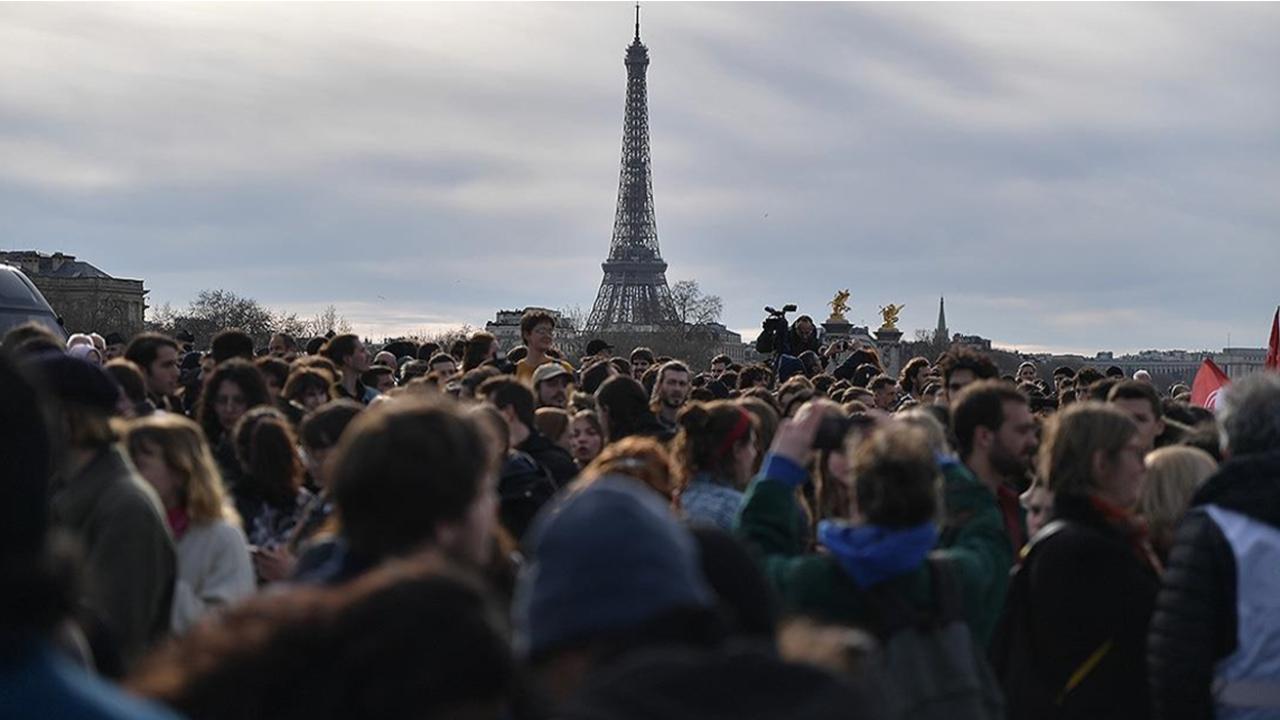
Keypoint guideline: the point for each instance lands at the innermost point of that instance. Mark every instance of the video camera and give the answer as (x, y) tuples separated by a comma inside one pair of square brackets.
[(773, 336)]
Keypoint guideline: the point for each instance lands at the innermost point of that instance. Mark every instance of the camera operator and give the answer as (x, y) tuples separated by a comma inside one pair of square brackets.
[(804, 336)]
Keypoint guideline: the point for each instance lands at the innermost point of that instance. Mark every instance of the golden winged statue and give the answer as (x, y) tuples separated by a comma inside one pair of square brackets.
[(890, 314), (839, 304)]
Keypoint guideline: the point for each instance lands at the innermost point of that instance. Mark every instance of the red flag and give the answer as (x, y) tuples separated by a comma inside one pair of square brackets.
[(1273, 347), (1209, 382)]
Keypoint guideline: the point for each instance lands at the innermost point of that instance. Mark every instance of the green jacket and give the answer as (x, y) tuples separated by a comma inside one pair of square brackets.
[(973, 523), (129, 559), (816, 584)]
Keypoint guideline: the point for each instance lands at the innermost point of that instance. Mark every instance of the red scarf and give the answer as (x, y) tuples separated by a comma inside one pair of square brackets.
[(179, 521), (1134, 527)]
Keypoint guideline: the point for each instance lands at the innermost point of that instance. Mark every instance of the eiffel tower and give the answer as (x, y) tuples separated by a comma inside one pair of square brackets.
[(634, 295)]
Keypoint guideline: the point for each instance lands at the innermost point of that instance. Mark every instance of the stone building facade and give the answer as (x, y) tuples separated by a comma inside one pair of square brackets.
[(87, 299)]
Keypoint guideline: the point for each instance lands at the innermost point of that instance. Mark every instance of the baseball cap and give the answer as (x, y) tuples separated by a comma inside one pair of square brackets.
[(546, 371), (595, 346)]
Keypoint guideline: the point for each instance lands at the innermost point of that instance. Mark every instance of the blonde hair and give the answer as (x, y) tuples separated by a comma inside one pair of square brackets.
[(1173, 473), (1072, 439), (181, 444)]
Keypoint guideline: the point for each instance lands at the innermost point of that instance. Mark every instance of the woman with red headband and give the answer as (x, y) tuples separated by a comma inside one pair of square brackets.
[(715, 450)]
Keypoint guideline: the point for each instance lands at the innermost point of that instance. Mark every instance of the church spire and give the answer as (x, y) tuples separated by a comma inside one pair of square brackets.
[(941, 334)]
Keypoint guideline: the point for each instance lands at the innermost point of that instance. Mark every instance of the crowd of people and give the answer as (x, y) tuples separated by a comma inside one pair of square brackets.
[(315, 528)]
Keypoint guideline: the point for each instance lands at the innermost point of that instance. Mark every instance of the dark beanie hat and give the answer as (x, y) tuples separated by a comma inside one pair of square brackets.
[(76, 381), (602, 560)]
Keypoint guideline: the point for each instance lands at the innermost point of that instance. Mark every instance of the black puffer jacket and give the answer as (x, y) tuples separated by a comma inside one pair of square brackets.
[(1195, 621), (1072, 643)]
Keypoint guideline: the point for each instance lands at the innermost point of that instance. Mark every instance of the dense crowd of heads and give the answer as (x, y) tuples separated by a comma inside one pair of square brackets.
[(321, 528)]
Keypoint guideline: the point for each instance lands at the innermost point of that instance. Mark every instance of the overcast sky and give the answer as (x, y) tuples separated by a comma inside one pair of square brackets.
[(1077, 176)]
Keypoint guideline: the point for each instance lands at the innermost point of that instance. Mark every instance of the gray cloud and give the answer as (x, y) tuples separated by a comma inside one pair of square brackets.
[(1073, 176)]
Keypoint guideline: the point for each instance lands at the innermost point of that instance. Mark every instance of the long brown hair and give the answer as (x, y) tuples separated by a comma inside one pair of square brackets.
[(267, 450)]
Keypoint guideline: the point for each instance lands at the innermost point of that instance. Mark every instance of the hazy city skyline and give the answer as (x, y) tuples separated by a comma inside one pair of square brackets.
[(1071, 177)]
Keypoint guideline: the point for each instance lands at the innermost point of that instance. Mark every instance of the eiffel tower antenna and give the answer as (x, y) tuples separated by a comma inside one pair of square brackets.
[(637, 22)]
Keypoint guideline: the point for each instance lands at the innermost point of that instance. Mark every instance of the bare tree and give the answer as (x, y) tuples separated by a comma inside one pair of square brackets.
[(443, 338), (323, 322), (926, 344), (692, 306), (215, 310), (690, 340), (569, 337)]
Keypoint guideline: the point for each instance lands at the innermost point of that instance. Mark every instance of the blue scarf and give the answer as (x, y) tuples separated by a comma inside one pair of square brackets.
[(873, 554)]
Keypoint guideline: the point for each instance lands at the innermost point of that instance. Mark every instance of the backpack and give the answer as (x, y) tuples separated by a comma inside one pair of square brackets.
[(930, 664), (1012, 655)]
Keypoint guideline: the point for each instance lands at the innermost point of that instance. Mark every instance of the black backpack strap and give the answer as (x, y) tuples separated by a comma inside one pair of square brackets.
[(1051, 528), (1012, 643)]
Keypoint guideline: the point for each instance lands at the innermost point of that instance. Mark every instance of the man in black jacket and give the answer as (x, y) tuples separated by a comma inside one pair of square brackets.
[(804, 336), (514, 400), (1214, 644)]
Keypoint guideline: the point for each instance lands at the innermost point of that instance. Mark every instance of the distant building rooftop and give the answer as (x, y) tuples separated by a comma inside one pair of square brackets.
[(57, 265), (87, 299)]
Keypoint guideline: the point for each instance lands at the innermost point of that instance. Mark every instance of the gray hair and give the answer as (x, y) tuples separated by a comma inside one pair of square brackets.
[(1249, 415)]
